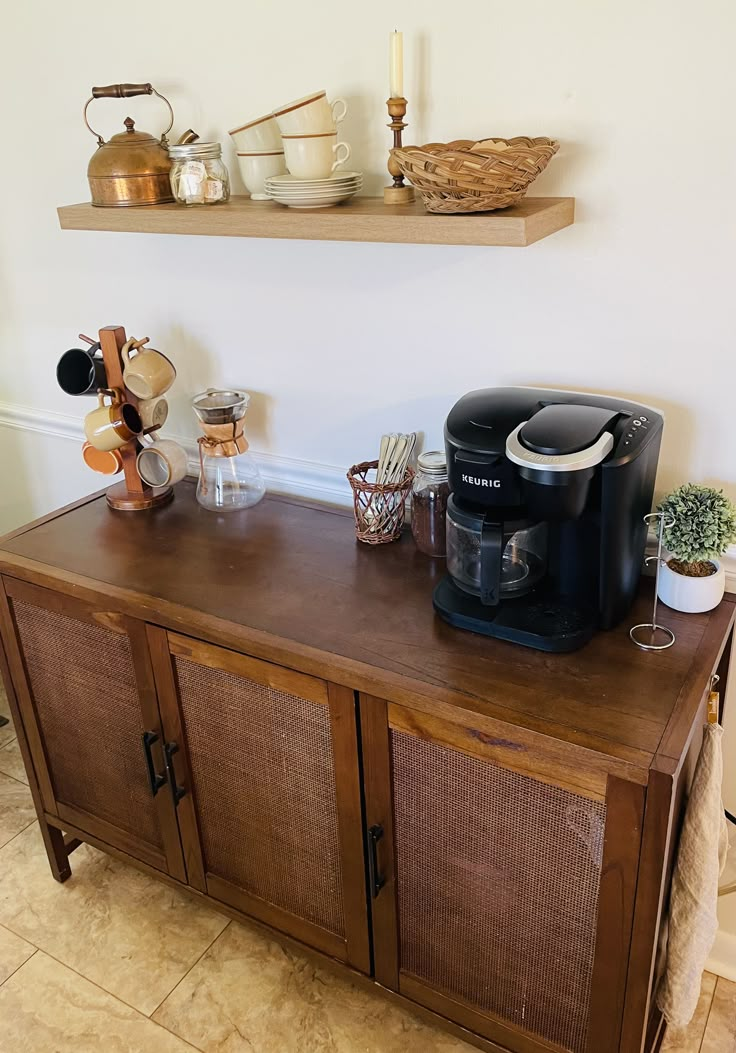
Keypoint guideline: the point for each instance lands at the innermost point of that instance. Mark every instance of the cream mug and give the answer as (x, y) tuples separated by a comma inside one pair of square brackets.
[(153, 412), (110, 427), (146, 372), (261, 135), (255, 169), (314, 156), (311, 115), (162, 463)]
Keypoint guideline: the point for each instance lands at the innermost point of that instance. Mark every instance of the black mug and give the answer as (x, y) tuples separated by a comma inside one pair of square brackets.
[(80, 372)]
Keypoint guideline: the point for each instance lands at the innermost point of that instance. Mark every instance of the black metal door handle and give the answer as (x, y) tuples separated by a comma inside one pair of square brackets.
[(155, 781), (377, 880), (177, 792)]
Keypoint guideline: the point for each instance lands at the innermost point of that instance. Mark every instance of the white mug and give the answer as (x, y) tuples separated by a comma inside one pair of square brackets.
[(162, 463), (261, 135), (255, 169), (311, 115), (314, 156)]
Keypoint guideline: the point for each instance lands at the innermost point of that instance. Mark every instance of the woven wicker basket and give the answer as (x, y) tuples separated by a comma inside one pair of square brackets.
[(468, 176), (378, 507)]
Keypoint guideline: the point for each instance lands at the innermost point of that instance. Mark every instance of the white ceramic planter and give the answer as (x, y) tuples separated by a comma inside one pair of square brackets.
[(691, 595)]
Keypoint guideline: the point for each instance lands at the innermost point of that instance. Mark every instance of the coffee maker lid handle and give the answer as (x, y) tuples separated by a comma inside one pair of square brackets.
[(560, 462)]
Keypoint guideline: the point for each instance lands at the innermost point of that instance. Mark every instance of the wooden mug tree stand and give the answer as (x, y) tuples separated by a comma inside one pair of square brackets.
[(131, 494)]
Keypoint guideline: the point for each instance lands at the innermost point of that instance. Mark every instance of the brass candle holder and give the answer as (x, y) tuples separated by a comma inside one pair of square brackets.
[(399, 193)]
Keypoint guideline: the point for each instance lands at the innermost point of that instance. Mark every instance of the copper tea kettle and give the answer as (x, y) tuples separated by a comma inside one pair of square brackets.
[(131, 168)]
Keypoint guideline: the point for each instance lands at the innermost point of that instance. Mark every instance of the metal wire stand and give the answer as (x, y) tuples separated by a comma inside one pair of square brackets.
[(649, 635)]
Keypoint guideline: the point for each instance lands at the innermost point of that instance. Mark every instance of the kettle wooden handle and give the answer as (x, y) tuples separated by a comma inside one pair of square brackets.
[(121, 91), (126, 91)]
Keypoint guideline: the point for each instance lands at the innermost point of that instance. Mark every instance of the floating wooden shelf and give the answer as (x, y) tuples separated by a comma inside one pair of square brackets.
[(360, 219)]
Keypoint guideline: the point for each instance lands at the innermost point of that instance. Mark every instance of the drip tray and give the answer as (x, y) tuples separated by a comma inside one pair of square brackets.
[(545, 623)]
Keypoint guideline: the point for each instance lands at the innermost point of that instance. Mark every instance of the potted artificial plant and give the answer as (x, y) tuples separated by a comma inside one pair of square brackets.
[(702, 524)]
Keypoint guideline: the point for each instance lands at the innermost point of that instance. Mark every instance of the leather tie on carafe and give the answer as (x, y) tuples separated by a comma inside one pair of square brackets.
[(220, 440)]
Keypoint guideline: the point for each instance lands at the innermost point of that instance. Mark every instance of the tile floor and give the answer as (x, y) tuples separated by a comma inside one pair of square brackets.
[(115, 960)]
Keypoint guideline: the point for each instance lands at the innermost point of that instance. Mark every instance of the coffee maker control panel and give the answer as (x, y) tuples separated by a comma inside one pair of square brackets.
[(633, 434)]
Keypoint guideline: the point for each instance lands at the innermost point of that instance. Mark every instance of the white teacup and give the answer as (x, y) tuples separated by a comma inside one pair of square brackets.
[(311, 115), (255, 169), (261, 135), (162, 463), (314, 156)]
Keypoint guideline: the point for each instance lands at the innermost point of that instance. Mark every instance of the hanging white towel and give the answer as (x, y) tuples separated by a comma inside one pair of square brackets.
[(701, 856)]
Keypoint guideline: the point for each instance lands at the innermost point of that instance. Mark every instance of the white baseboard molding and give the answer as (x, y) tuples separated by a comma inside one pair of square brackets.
[(283, 475)]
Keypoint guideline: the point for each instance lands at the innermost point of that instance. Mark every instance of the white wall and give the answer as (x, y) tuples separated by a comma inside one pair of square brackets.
[(338, 341)]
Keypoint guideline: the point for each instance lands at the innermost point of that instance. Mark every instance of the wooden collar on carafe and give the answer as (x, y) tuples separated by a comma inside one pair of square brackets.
[(222, 440)]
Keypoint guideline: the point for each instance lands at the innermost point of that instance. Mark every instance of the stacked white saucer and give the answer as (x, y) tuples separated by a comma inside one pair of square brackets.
[(313, 193)]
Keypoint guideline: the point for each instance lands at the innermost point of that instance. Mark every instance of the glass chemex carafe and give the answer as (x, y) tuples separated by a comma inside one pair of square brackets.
[(229, 476)]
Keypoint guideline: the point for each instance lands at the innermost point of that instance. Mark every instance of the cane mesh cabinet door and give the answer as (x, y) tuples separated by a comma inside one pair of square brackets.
[(488, 885), (87, 698), (270, 811)]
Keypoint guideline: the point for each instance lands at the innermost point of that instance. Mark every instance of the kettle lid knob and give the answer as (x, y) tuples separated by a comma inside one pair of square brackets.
[(129, 124)]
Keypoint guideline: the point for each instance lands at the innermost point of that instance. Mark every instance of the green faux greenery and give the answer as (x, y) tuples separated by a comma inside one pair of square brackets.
[(704, 522)]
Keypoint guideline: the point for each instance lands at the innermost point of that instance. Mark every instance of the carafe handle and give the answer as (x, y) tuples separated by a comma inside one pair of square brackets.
[(491, 551)]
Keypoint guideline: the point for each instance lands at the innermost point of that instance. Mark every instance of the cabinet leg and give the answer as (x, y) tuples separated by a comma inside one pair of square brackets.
[(53, 839), (56, 850)]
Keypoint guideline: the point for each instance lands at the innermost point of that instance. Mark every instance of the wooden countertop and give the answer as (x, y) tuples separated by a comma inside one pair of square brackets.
[(287, 581)]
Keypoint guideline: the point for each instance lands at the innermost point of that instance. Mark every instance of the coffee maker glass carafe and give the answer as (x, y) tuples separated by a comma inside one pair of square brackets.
[(492, 559)]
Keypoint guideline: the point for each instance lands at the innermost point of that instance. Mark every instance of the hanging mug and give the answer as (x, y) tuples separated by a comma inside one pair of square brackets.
[(153, 412), (80, 371), (147, 373), (110, 427), (107, 462), (162, 463)]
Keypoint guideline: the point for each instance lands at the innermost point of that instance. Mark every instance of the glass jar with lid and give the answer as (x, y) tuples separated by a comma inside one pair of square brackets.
[(198, 174), (429, 494)]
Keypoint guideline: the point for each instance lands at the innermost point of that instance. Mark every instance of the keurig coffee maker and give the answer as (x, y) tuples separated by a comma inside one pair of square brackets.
[(545, 535)]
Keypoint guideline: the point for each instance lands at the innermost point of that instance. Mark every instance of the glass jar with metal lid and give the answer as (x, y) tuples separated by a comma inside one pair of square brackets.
[(198, 174), (429, 493)]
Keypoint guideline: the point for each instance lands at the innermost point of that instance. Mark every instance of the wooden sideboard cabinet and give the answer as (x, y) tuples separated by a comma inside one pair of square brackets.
[(261, 711)]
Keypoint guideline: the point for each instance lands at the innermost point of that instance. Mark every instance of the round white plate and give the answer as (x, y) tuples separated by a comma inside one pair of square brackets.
[(312, 189), (275, 191), (313, 202), (316, 201), (274, 188), (290, 180), (324, 204), (313, 194)]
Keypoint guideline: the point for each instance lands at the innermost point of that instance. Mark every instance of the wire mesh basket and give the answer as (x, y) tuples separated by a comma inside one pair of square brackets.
[(378, 507)]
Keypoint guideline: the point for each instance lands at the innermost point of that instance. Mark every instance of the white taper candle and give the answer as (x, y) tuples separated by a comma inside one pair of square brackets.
[(396, 64)]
